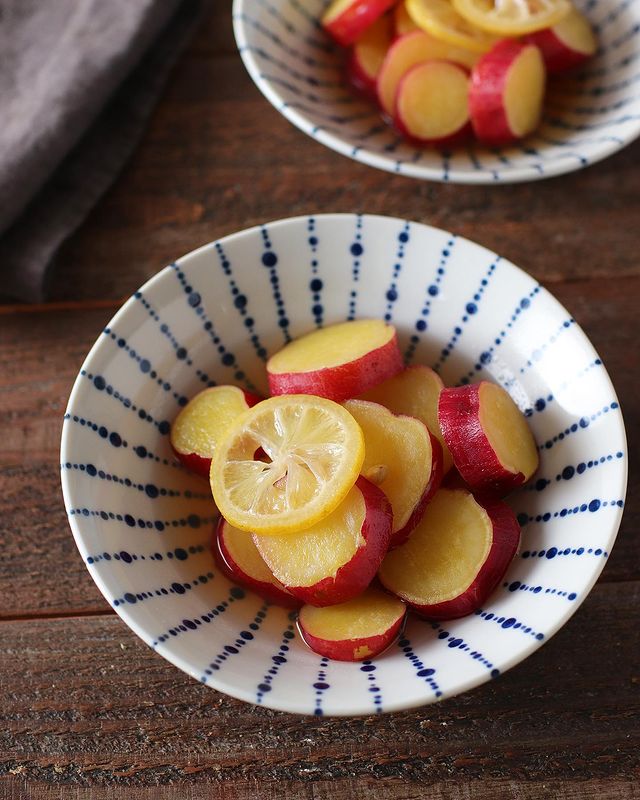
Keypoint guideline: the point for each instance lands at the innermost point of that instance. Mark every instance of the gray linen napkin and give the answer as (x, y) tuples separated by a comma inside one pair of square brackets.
[(78, 79)]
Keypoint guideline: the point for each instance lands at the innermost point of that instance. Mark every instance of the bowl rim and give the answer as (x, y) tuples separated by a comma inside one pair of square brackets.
[(562, 165), (219, 684)]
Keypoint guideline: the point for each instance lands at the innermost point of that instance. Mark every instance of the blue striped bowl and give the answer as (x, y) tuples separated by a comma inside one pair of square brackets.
[(142, 523), (588, 115)]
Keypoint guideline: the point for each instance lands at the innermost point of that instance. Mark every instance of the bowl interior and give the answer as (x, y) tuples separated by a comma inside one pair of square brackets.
[(142, 523), (589, 114)]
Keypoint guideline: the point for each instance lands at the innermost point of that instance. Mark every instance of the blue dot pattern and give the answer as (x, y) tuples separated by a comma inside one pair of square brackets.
[(518, 586), (369, 668), (574, 471), (149, 489), (125, 557), (160, 525), (487, 355), (426, 673), (101, 385), (508, 622), (240, 302), (432, 291), (553, 552), (229, 650), (321, 686), (270, 261), (470, 309), (458, 644), (356, 250), (316, 284), (176, 588), (192, 624), (226, 357), (278, 660), (592, 506), (392, 291), (539, 352), (575, 427)]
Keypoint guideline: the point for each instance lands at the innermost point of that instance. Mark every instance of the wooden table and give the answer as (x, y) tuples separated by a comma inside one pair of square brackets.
[(86, 709)]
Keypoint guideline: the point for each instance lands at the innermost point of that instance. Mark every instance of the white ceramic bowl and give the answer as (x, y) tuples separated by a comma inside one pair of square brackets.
[(142, 523), (589, 115)]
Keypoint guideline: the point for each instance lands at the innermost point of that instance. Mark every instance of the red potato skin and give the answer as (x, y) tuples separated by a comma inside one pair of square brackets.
[(345, 380), (505, 544), (234, 572), (343, 649), (473, 456), (349, 26), (488, 78), (457, 137), (354, 576), (358, 78), (437, 472), (558, 57), (198, 464)]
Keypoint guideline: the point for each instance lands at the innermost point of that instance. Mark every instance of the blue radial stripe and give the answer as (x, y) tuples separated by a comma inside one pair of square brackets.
[(269, 261), (320, 44), (194, 301), (243, 638), (316, 283), (160, 525), (518, 586), (347, 100), (291, 52), (320, 686), (369, 668), (538, 353), (304, 12), (458, 643), (235, 594), (305, 78), (554, 552), (125, 557), (176, 588), (100, 383), (487, 355), (392, 292), (145, 365), (149, 489), (432, 290), (573, 471), (592, 506), (278, 660), (240, 301), (356, 250), (581, 424), (508, 623), (470, 310), (116, 440), (426, 673), (181, 352)]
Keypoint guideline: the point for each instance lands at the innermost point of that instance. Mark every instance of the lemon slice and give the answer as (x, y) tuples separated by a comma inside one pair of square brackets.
[(440, 19), (311, 451), (513, 17)]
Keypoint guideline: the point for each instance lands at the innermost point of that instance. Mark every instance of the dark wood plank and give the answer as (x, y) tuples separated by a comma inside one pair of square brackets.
[(116, 714), (217, 158), (17, 788)]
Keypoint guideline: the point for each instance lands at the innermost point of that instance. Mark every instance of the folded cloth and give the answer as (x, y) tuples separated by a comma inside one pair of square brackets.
[(78, 80)]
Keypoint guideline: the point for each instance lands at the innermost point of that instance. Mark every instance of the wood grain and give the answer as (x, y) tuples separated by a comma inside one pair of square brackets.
[(86, 710), (118, 714), (217, 158), (17, 788)]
